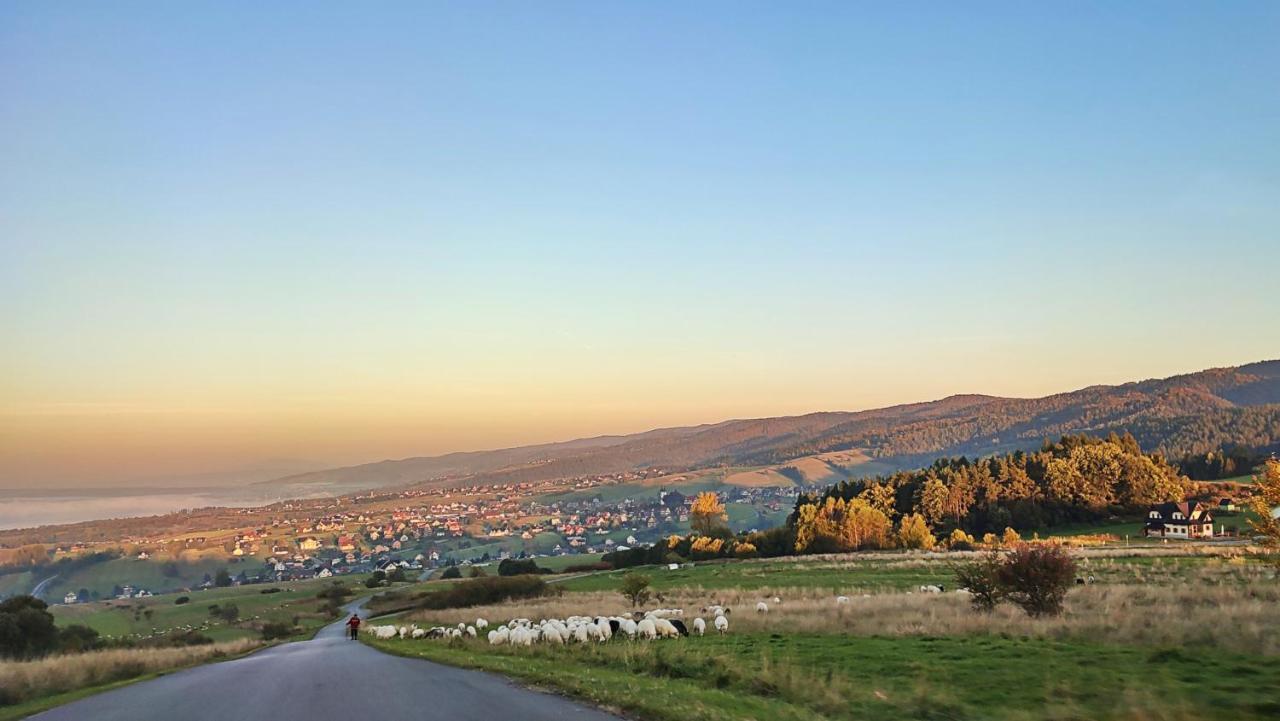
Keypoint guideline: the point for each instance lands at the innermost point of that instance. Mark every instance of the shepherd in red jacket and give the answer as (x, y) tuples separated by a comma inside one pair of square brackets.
[(354, 625)]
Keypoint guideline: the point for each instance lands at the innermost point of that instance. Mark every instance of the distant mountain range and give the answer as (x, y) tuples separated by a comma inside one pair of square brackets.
[(1191, 413)]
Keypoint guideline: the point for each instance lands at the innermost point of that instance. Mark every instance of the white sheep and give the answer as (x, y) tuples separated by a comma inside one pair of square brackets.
[(481, 624), (471, 631), (699, 626), (665, 629), (646, 629), (722, 624), (841, 600), (628, 627), (419, 633), (762, 607)]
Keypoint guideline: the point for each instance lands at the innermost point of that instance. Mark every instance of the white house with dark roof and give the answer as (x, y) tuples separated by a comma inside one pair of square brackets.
[(1178, 520)]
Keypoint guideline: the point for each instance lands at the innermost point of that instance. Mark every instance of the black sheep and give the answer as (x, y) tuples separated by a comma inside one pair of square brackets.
[(614, 626), (679, 626)]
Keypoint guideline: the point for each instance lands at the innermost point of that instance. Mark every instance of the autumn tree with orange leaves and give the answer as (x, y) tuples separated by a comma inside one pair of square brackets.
[(707, 515)]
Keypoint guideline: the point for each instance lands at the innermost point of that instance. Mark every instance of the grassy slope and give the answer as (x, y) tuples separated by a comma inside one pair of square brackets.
[(117, 618), (831, 676), (13, 584), (102, 577)]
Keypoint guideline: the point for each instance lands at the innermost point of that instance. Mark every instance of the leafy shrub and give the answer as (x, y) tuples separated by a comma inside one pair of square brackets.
[(397, 575), (513, 567), (176, 639), (981, 577), (337, 592), (272, 630), (451, 572), (229, 612), (635, 588), (477, 572), (77, 638), (588, 567), (1037, 577), (377, 579), (273, 589), (485, 591), (180, 600)]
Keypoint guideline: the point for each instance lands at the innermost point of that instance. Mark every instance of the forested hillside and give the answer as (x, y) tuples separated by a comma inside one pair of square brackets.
[(1076, 479), (1177, 416)]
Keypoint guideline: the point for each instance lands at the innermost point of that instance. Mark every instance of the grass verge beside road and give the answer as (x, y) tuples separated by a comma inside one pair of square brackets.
[(28, 687), (830, 676)]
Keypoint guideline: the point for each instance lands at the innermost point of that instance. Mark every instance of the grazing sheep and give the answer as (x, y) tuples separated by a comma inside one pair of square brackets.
[(762, 607), (646, 629), (403, 631), (699, 626), (722, 624), (481, 624), (419, 633), (680, 627), (841, 600), (471, 631), (629, 627), (776, 600), (665, 628)]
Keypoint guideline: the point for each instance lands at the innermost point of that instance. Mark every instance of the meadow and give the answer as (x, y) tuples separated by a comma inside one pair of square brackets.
[(1164, 632), (294, 604)]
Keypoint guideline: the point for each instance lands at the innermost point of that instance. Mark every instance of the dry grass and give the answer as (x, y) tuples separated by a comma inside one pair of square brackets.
[(1218, 605), (26, 680)]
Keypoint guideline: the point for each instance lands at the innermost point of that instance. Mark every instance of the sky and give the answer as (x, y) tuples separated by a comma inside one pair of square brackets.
[(236, 236)]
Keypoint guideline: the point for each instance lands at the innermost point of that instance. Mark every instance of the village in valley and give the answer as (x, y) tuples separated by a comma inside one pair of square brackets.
[(418, 531)]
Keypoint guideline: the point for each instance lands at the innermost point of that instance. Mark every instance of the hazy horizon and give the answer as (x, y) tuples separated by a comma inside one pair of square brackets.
[(337, 236), (272, 469)]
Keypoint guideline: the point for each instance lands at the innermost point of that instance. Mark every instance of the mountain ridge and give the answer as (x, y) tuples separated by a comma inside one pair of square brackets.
[(898, 436)]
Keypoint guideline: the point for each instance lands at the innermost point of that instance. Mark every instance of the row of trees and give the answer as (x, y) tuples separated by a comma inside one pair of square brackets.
[(27, 630), (1221, 463), (1078, 478)]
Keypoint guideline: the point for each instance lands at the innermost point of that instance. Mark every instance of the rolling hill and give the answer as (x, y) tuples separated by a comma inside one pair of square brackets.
[(1189, 413)]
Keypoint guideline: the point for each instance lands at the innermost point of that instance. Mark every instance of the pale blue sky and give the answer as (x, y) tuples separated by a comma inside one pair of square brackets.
[(236, 231)]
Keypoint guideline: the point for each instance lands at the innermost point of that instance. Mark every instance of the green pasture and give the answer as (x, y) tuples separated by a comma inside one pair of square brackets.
[(129, 617), (812, 676)]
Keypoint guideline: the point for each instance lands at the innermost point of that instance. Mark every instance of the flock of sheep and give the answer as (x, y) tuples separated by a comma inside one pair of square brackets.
[(646, 625)]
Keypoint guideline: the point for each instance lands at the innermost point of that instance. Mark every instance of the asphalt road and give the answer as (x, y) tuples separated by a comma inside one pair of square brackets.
[(328, 677), (39, 590)]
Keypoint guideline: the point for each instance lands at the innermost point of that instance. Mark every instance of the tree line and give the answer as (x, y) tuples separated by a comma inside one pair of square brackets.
[(1076, 479)]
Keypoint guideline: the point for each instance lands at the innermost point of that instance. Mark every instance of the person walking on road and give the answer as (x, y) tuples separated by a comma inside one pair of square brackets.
[(354, 625)]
